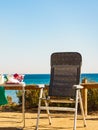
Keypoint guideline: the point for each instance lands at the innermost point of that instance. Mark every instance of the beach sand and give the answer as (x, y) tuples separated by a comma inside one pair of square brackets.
[(60, 121)]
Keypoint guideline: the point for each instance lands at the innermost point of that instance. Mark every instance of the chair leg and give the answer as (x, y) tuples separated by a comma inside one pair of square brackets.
[(76, 107), (81, 106), (47, 110), (39, 105)]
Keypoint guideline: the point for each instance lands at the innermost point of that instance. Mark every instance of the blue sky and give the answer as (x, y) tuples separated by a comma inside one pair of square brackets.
[(30, 30)]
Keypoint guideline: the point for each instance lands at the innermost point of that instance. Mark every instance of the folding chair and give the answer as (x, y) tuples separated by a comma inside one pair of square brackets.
[(64, 85)]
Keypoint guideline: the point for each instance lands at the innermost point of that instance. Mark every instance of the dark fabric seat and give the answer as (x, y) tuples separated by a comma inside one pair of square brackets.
[(64, 84)]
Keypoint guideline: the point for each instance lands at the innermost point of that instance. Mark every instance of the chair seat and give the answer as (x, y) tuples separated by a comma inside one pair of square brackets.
[(59, 100)]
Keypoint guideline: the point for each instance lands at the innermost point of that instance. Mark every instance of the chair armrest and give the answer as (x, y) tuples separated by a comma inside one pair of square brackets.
[(77, 87), (41, 85)]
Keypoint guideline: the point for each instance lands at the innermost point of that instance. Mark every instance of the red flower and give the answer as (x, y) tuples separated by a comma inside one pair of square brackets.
[(18, 77)]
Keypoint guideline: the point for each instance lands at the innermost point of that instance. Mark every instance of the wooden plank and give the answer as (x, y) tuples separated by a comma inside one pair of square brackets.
[(19, 87)]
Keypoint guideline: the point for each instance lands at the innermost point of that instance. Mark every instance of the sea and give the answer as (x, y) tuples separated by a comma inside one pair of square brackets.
[(45, 79)]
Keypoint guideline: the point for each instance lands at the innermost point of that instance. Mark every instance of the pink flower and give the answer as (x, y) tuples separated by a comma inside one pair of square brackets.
[(19, 77)]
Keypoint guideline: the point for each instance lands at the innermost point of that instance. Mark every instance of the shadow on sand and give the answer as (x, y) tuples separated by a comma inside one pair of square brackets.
[(10, 128)]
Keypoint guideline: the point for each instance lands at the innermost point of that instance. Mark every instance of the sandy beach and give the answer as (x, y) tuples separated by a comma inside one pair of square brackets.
[(12, 121)]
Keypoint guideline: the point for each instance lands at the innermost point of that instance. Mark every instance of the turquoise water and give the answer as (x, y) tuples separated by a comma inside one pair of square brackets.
[(44, 79)]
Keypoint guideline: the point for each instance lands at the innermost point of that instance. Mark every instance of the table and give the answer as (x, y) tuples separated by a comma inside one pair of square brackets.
[(87, 85), (20, 86)]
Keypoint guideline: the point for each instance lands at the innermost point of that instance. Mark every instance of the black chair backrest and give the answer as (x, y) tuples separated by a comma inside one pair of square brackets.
[(65, 72)]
